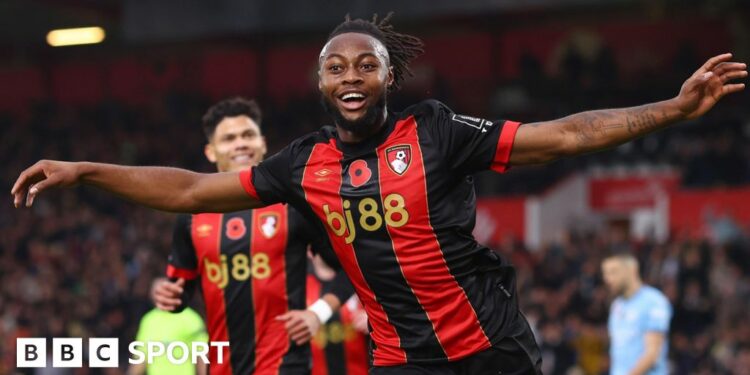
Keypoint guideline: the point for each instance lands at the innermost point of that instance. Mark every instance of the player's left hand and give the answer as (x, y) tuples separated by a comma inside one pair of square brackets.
[(709, 84), (301, 325), (166, 294)]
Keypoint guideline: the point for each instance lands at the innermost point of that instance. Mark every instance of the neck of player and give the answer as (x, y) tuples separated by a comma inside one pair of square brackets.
[(633, 288), (363, 132)]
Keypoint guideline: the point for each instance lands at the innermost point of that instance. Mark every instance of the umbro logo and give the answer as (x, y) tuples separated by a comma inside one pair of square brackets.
[(323, 172), (204, 230)]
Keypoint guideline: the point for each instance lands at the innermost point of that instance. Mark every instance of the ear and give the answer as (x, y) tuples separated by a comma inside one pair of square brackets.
[(263, 149), (210, 152), (391, 77), (320, 72)]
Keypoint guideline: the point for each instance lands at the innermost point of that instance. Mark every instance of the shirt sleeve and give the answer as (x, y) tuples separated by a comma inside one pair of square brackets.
[(658, 315), (318, 240), (183, 262), (320, 245), (471, 144), (270, 180), (187, 294), (340, 286)]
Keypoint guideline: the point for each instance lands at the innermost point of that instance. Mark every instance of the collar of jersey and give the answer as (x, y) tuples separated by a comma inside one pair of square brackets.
[(353, 150)]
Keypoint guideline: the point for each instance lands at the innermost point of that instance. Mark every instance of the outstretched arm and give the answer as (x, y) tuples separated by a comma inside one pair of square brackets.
[(597, 130), (162, 188)]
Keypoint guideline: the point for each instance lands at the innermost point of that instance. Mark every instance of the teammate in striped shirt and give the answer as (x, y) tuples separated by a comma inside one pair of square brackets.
[(392, 192), (250, 265), (341, 345)]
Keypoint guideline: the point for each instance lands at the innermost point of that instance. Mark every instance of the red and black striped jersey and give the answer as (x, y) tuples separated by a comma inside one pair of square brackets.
[(399, 209), (338, 348), (252, 267)]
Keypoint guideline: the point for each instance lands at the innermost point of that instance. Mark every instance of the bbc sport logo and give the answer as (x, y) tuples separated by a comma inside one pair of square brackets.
[(104, 352)]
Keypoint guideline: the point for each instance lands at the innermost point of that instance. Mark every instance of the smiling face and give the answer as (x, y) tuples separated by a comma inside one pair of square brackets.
[(236, 144), (354, 77)]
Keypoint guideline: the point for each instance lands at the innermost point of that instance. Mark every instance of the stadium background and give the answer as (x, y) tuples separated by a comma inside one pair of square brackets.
[(80, 262)]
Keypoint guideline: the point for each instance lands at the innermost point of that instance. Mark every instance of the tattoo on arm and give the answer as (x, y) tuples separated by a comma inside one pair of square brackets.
[(642, 121), (593, 125), (600, 129), (591, 131)]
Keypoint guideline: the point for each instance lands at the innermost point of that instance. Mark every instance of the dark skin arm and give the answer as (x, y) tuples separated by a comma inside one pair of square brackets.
[(162, 188), (591, 131)]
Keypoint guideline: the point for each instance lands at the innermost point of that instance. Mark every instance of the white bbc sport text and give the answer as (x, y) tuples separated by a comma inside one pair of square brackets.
[(104, 352), (156, 349)]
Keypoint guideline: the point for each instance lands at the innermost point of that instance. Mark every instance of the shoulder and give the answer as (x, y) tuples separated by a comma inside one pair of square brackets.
[(191, 315), (654, 302), (303, 145), (322, 135), (654, 296), (152, 317), (429, 108)]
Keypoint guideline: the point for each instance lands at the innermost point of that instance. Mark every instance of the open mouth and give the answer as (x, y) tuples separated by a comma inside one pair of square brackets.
[(352, 101), (242, 158)]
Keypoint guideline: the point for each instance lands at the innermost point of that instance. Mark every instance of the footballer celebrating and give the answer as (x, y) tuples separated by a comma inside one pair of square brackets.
[(392, 193)]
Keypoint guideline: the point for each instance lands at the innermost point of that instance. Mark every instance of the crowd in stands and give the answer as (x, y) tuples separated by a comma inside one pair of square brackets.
[(707, 283)]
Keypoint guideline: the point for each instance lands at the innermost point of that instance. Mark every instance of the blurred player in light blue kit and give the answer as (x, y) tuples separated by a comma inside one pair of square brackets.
[(638, 320)]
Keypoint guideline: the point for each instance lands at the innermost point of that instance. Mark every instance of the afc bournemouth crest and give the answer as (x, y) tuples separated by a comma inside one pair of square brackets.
[(269, 223), (399, 158)]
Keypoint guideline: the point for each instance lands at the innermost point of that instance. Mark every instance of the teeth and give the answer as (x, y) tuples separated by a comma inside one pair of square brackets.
[(352, 95), (241, 158)]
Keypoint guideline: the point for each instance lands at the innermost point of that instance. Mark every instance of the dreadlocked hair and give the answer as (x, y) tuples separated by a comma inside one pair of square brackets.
[(402, 48)]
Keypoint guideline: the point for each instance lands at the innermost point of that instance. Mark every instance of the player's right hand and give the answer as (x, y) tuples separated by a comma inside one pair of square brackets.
[(166, 294), (301, 325), (43, 175)]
